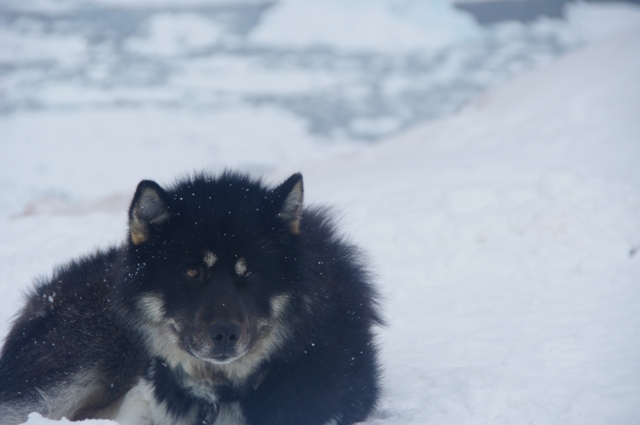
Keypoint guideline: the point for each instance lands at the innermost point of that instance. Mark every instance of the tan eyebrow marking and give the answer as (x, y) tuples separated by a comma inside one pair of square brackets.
[(241, 267), (210, 258)]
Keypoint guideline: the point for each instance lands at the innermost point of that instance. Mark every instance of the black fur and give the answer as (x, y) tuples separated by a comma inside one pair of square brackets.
[(276, 320), (66, 328)]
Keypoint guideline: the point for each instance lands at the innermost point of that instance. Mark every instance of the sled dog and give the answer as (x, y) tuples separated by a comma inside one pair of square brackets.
[(228, 303)]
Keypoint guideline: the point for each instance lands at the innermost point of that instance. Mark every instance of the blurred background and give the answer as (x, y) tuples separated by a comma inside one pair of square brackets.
[(352, 70), (310, 76)]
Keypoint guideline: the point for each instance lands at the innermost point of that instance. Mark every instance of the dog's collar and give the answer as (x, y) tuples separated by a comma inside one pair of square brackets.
[(208, 413)]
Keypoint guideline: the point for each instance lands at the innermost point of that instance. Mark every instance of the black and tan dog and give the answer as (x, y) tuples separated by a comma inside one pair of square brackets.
[(229, 304)]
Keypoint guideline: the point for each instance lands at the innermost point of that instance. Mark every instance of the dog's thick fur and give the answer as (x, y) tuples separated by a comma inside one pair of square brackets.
[(228, 303)]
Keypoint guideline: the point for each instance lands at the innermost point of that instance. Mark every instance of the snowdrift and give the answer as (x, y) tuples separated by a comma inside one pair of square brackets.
[(505, 238)]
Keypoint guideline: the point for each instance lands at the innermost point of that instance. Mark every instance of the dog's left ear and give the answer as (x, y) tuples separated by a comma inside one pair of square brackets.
[(148, 212), (292, 193)]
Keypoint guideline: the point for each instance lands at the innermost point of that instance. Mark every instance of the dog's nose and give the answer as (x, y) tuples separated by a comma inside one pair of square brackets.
[(225, 335)]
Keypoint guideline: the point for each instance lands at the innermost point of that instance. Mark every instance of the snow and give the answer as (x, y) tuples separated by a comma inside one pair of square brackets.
[(597, 20), (36, 419), (503, 236)]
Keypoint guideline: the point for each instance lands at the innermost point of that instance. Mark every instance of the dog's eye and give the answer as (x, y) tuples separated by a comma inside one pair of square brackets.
[(248, 274), (192, 273)]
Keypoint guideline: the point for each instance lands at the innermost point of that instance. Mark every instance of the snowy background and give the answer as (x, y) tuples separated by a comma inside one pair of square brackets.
[(491, 173)]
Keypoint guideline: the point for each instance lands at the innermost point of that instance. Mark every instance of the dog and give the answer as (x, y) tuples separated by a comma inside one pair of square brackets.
[(228, 303)]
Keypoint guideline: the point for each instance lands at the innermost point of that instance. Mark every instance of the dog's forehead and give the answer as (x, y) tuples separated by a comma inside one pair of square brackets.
[(239, 264), (219, 194)]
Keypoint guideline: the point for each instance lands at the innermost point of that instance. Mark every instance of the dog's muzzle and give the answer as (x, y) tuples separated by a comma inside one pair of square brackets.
[(225, 337)]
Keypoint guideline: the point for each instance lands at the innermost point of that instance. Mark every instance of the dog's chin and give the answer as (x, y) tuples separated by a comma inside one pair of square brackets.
[(223, 359)]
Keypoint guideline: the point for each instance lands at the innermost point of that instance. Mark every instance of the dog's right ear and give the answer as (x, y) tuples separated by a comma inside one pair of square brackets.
[(290, 195), (148, 211)]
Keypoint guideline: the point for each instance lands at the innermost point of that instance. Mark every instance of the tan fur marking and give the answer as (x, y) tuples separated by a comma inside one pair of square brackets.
[(241, 267), (295, 227), (279, 304), (161, 335), (210, 259), (101, 406), (160, 332), (292, 208), (138, 235), (153, 306), (149, 209), (70, 397)]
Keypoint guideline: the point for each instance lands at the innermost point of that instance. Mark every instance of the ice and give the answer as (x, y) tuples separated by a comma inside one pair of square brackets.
[(25, 48), (365, 24), (209, 57), (175, 34)]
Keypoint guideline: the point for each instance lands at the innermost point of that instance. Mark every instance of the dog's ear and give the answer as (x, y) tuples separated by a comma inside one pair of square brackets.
[(148, 212), (290, 194)]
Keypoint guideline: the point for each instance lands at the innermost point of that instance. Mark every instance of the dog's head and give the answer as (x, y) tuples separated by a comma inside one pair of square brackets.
[(212, 266)]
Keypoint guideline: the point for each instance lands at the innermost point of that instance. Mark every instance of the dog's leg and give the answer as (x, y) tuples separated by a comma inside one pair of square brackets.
[(141, 407), (136, 407)]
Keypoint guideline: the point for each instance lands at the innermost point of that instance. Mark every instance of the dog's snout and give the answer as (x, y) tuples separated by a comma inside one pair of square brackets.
[(225, 335)]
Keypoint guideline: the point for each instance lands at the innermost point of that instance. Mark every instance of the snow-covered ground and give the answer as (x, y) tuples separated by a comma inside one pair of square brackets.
[(505, 236)]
